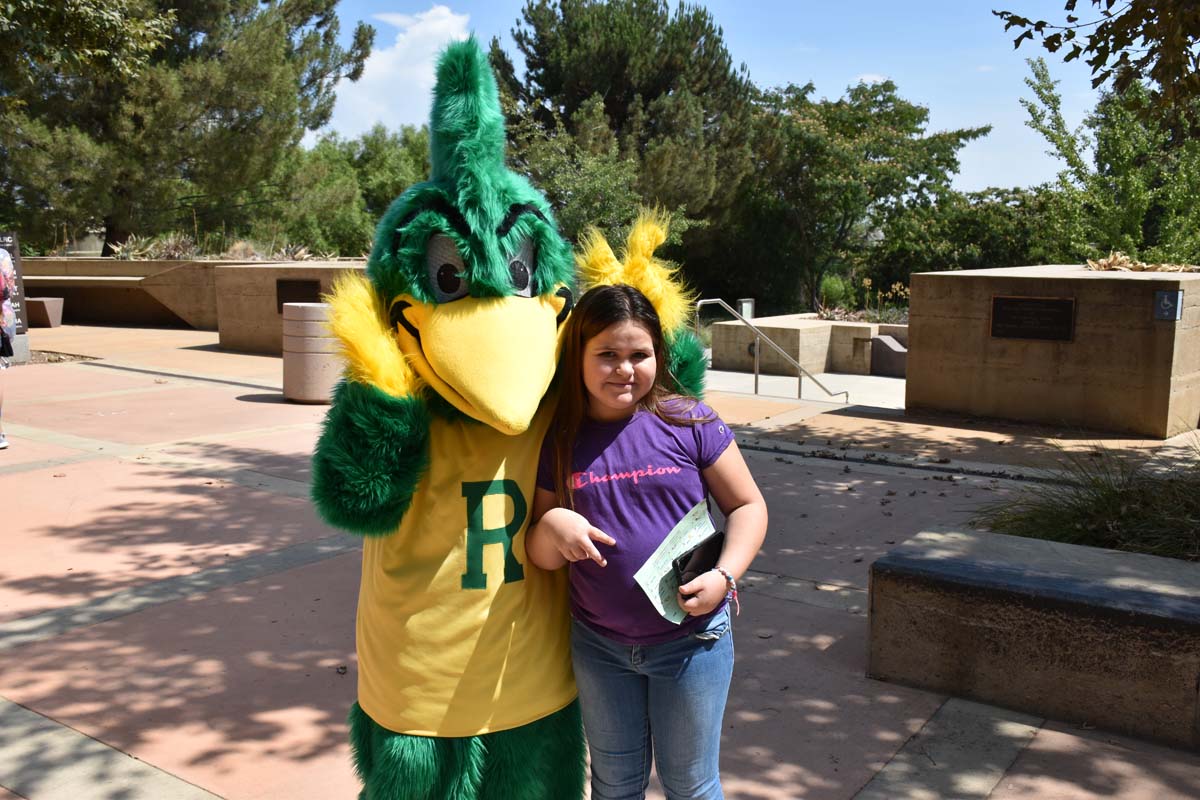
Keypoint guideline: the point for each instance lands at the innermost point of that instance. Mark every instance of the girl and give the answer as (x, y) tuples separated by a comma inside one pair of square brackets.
[(626, 459)]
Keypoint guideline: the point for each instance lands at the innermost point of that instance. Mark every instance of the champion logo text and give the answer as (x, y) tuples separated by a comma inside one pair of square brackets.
[(583, 479)]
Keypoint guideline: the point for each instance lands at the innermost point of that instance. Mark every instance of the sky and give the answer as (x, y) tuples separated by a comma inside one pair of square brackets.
[(951, 56)]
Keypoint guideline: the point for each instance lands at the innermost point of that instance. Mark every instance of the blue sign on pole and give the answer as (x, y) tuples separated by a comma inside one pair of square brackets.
[(1168, 305)]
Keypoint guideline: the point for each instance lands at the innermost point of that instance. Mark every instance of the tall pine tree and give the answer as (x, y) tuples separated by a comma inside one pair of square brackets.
[(223, 92)]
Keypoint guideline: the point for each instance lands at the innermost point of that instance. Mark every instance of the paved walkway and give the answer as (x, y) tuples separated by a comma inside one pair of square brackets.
[(175, 623)]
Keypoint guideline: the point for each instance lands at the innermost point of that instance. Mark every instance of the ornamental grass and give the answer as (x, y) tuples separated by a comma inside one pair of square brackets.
[(1107, 499)]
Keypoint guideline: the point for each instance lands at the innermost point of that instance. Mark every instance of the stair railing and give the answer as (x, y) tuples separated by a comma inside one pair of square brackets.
[(759, 337)]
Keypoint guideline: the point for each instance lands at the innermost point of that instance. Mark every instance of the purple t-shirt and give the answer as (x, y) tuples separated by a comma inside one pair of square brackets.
[(634, 479)]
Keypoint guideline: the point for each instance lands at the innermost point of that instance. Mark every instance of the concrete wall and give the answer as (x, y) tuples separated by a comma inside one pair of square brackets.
[(106, 290), (1123, 370), (239, 300), (806, 340), (850, 347), (248, 315), (189, 290), (897, 332), (107, 304), (819, 345), (43, 266), (1074, 633)]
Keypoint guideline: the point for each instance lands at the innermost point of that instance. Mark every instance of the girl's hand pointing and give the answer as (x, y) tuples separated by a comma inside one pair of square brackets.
[(574, 537)]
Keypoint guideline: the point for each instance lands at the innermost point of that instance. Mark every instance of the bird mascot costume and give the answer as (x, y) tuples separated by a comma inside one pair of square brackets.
[(429, 451)]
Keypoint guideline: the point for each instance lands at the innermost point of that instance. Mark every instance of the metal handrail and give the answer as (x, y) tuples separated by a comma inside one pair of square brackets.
[(760, 337)]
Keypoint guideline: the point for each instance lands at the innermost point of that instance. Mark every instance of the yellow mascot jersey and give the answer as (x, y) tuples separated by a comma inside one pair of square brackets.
[(457, 635)]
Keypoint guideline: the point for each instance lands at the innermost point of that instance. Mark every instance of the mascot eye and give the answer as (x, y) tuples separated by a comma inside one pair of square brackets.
[(521, 265), (445, 269)]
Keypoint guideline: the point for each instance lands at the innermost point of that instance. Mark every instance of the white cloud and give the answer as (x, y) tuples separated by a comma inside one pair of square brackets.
[(985, 68), (396, 86), (870, 77)]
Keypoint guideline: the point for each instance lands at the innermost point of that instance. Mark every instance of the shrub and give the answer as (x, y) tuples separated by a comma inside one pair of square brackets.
[(1110, 500), (835, 292)]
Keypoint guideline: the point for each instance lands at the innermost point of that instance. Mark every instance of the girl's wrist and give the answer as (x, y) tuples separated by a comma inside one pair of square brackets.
[(731, 590), (730, 581)]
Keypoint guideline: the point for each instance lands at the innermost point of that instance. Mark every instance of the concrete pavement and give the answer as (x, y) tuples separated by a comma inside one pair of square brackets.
[(175, 622)]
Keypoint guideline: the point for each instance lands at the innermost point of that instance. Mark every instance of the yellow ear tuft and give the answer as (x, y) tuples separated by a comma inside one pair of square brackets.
[(596, 262), (359, 321), (653, 277), (648, 233)]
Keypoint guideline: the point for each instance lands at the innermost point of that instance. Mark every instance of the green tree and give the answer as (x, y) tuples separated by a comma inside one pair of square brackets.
[(99, 37), (585, 177), (1139, 41), (323, 206), (829, 177), (387, 163), (1126, 183), (674, 106), (218, 103), (974, 230)]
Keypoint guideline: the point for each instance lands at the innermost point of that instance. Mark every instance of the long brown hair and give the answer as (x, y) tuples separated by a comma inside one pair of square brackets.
[(600, 307)]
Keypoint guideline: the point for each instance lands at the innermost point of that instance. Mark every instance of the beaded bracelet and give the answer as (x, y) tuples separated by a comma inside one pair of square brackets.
[(732, 594)]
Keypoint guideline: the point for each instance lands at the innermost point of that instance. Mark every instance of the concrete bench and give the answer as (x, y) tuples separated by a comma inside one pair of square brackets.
[(1079, 634), (888, 357), (44, 312)]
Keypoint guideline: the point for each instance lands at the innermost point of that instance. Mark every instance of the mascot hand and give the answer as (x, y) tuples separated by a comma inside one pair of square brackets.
[(369, 458), (375, 443)]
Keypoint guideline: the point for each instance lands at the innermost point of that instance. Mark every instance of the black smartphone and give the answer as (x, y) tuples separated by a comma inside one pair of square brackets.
[(699, 559)]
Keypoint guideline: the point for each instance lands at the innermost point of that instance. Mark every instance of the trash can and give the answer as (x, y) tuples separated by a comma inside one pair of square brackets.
[(311, 362)]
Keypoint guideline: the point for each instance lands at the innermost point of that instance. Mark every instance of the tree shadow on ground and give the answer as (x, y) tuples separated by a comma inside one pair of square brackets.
[(261, 669), (294, 464), (803, 720), (1111, 766), (950, 438), (153, 522)]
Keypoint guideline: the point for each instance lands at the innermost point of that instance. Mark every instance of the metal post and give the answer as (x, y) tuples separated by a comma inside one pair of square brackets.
[(757, 348)]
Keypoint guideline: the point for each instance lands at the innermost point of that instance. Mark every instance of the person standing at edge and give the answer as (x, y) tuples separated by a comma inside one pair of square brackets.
[(8, 324)]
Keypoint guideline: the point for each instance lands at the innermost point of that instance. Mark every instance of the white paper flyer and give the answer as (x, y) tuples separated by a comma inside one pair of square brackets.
[(656, 577)]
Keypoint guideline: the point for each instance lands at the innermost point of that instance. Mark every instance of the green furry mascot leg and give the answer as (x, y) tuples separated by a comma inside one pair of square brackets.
[(492, 766)]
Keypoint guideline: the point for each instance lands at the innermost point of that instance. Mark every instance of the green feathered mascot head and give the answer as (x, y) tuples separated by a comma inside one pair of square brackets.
[(468, 270)]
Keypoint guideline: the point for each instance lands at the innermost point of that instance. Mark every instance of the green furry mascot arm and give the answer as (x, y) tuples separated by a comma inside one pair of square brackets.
[(374, 446)]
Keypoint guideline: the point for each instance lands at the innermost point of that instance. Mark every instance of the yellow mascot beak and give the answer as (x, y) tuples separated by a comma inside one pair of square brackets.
[(492, 358)]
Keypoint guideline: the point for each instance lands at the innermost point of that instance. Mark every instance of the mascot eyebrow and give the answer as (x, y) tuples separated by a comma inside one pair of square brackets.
[(454, 217), (514, 213), (438, 205)]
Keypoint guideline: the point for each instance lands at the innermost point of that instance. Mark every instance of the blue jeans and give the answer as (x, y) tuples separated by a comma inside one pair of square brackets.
[(669, 697)]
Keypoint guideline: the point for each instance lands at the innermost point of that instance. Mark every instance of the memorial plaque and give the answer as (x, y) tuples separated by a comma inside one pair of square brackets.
[(1049, 319), (10, 251)]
